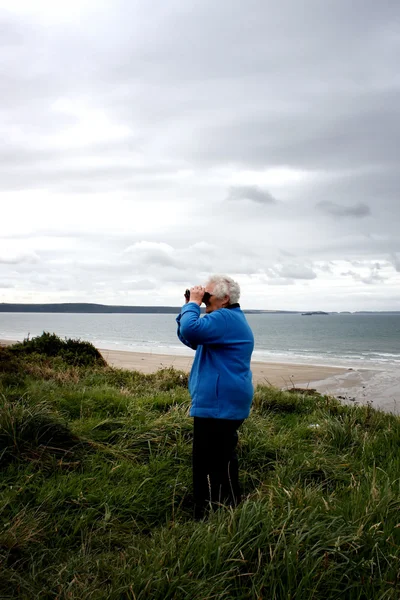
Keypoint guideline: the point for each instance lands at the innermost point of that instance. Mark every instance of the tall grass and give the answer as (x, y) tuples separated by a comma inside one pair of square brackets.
[(96, 501)]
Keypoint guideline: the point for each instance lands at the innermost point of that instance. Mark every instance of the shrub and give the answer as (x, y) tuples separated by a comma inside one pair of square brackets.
[(9, 362), (269, 399), (73, 352), (168, 379)]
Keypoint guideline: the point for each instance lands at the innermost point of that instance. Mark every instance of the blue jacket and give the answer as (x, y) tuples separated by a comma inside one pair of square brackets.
[(220, 382)]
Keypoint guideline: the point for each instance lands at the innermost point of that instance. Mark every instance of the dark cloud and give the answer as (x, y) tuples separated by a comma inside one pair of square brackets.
[(251, 192), (336, 210)]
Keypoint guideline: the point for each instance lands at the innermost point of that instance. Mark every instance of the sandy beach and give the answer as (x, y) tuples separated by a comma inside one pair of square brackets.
[(379, 387), (276, 374)]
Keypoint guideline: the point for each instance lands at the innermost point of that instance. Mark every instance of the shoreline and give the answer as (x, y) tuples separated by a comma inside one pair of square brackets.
[(357, 385)]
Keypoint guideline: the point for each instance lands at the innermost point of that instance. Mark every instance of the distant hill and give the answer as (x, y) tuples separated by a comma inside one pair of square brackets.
[(82, 307), (85, 307)]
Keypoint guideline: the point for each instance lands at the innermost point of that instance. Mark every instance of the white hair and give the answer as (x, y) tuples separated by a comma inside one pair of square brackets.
[(225, 286)]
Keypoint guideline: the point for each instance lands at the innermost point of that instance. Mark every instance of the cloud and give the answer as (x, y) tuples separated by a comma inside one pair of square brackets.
[(336, 210), (281, 281), (193, 262), (396, 262), (152, 254), (371, 278), (297, 271), (141, 284), (324, 267), (252, 193), (16, 258)]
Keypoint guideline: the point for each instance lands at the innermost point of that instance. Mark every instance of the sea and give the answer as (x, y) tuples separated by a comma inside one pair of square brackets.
[(344, 340)]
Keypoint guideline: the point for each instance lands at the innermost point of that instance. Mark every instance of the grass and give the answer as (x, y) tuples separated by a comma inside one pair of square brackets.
[(96, 502)]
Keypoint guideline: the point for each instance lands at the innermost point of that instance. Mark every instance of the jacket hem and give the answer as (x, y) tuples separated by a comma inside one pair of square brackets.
[(209, 414)]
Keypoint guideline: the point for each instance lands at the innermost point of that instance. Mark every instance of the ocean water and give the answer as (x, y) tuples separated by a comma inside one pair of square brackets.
[(357, 341)]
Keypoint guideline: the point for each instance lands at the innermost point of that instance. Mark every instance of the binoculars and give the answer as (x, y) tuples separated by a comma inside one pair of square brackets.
[(205, 298)]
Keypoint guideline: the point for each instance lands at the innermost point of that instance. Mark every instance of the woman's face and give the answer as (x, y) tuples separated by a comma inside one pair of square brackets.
[(214, 303)]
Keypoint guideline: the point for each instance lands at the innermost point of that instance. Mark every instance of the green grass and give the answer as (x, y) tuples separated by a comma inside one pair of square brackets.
[(95, 492)]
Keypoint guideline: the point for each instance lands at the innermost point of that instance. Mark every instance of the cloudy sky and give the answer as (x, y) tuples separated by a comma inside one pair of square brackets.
[(147, 144)]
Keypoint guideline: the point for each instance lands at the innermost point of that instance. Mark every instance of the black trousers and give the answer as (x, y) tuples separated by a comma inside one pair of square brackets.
[(215, 463)]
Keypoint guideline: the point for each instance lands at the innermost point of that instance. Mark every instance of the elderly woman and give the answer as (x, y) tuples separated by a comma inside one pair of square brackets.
[(220, 385)]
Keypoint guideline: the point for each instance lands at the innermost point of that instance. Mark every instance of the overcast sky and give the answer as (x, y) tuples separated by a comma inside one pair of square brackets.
[(147, 144)]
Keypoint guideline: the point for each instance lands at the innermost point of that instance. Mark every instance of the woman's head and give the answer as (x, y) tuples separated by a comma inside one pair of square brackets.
[(223, 290)]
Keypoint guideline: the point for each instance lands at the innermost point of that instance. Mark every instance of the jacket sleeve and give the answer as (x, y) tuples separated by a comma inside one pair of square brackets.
[(207, 330), (180, 336)]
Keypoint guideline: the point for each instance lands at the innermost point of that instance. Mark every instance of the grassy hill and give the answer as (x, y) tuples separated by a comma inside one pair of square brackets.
[(96, 503)]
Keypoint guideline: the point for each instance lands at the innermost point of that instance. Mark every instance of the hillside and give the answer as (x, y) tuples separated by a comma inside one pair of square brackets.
[(96, 490)]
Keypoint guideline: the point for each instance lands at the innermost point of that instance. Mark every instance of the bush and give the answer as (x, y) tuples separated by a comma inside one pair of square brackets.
[(9, 362), (268, 399), (168, 379), (73, 352)]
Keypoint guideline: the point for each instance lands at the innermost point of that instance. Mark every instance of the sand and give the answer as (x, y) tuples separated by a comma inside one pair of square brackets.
[(378, 386), (276, 374)]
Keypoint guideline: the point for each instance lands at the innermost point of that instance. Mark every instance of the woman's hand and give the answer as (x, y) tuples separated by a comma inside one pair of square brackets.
[(196, 294)]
